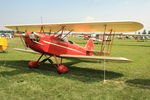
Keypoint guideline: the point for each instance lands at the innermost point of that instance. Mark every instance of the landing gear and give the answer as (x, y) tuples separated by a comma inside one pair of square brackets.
[(61, 69), (47, 59), (33, 64)]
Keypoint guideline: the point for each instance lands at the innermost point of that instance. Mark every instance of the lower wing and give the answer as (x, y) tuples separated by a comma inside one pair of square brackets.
[(101, 58)]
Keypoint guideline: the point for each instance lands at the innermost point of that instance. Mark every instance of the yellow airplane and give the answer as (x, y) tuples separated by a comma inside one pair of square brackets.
[(3, 44)]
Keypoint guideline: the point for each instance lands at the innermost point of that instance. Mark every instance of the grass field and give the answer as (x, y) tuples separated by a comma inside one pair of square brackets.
[(84, 81)]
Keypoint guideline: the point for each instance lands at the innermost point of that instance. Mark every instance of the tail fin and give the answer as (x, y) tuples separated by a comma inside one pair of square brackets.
[(89, 47)]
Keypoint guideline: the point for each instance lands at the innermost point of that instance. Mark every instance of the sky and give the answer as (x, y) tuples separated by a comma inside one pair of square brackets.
[(14, 12)]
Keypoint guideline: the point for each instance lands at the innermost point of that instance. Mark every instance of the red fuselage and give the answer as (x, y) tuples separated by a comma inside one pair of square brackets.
[(52, 45)]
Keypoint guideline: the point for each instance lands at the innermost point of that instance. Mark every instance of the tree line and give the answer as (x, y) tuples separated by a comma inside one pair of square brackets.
[(7, 31), (144, 32)]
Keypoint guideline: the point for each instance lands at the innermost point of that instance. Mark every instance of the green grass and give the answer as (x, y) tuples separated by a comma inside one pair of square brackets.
[(84, 81)]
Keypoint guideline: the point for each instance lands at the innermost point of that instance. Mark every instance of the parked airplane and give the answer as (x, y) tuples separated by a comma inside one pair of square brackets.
[(55, 45), (3, 44)]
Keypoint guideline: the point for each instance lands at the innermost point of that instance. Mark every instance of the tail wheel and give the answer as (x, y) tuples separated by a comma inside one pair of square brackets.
[(62, 69), (33, 64)]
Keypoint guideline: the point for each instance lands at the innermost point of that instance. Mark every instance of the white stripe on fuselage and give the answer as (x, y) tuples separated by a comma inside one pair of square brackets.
[(63, 46)]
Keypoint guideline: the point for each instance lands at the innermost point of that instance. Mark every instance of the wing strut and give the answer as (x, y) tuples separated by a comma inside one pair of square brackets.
[(106, 42), (67, 34), (103, 46), (42, 29), (61, 29)]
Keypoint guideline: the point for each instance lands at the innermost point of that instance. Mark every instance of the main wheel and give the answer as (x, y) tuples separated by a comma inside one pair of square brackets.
[(62, 69), (33, 64)]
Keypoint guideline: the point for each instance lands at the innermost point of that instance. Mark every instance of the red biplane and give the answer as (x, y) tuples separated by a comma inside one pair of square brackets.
[(55, 45)]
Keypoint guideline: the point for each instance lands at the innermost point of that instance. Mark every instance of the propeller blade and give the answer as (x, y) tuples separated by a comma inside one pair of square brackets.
[(21, 38)]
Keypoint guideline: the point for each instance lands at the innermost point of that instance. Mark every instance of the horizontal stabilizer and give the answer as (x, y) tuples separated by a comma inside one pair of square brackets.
[(102, 58)]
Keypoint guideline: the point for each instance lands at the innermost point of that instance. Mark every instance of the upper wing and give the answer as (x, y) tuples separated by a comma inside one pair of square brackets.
[(82, 27), (102, 58)]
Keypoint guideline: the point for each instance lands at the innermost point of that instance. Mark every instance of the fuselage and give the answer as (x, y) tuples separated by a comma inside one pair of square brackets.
[(53, 45)]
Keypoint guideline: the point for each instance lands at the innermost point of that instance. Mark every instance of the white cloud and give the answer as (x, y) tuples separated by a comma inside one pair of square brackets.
[(89, 18)]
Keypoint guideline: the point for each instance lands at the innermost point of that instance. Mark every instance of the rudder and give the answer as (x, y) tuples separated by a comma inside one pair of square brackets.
[(89, 47)]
